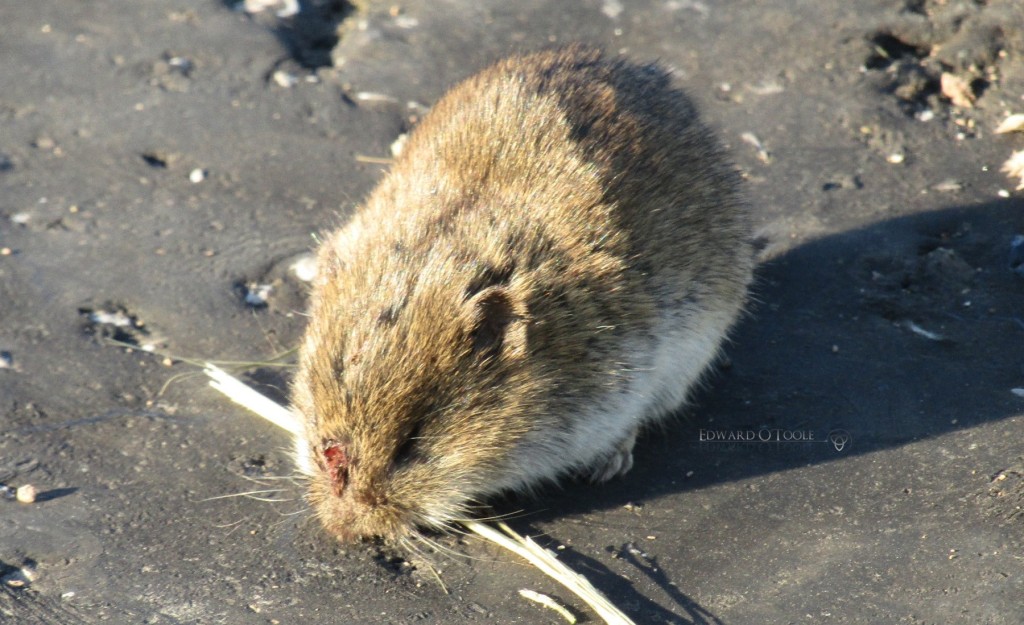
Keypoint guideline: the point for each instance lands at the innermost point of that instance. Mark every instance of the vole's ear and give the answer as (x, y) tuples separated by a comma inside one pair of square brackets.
[(497, 323)]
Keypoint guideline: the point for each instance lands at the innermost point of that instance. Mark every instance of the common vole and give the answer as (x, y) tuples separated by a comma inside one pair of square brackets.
[(550, 264)]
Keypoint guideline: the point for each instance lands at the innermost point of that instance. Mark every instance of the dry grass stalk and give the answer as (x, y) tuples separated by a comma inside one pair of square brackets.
[(245, 396)]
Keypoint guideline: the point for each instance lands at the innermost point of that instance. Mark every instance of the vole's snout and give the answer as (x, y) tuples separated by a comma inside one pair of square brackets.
[(337, 461), (351, 498)]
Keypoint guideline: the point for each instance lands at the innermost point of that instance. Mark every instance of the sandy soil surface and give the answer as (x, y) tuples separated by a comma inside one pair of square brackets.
[(159, 161)]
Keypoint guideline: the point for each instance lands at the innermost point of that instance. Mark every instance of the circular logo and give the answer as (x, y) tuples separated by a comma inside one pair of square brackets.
[(839, 439)]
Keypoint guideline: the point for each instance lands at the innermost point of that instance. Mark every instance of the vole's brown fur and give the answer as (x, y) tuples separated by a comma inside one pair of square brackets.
[(509, 303)]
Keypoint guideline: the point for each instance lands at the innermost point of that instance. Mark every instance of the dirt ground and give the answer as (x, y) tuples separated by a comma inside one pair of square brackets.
[(159, 161)]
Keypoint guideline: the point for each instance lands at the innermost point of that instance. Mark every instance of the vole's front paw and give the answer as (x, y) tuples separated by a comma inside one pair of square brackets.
[(619, 462)]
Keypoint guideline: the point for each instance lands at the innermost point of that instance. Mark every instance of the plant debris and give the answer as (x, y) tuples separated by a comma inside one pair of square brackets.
[(1014, 167)]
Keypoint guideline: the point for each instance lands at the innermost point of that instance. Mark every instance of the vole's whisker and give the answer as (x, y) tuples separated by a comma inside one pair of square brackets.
[(505, 516), (407, 543), (252, 494), (305, 510), (444, 551), (294, 478)]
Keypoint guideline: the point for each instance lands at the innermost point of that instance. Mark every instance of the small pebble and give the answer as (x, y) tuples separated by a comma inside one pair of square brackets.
[(752, 139), (896, 158), (26, 493), (479, 609), (949, 186), (19, 578), (957, 89), (6, 360), (404, 21), (285, 8), (116, 318), (370, 96), (611, 8), (180, 63), (196, 176), (284, 79), (256, 295), (766, 87)]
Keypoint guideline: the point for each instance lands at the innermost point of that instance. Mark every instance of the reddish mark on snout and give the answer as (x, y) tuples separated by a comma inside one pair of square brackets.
[(337, 461)]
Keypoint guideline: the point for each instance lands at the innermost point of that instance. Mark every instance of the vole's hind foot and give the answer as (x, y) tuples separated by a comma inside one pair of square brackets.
[(619, 462)]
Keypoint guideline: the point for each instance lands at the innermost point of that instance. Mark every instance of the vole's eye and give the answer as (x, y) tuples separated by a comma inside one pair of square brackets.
[(410, 449)]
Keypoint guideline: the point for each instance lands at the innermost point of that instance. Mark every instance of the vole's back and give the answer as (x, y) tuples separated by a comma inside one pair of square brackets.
[(553, 260)]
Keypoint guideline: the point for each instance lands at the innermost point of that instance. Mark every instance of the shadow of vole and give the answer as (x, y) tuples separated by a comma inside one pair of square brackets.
[(894, 332)]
